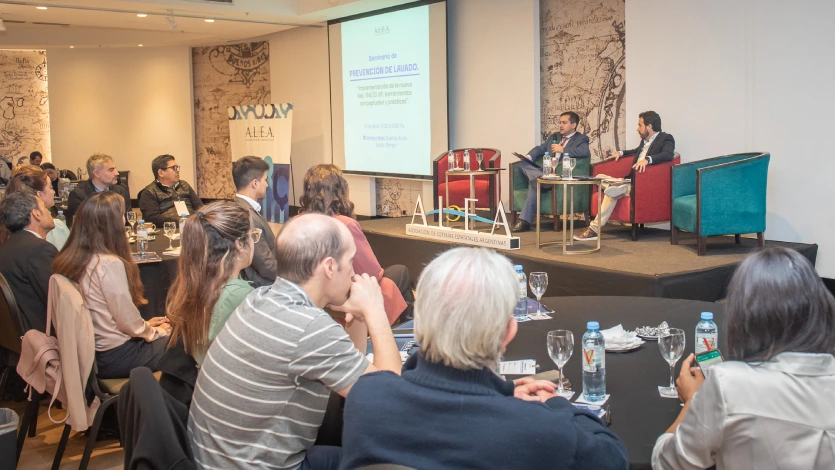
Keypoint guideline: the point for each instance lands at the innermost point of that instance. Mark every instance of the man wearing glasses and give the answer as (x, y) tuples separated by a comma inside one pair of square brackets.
[(159, 201), (250, 177)]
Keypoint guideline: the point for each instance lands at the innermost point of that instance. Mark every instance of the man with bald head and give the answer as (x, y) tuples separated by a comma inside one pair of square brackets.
[(264, 386)]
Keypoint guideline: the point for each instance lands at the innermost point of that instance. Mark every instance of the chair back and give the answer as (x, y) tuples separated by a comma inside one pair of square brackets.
[(684, 175), (11, 323), (492, 158)]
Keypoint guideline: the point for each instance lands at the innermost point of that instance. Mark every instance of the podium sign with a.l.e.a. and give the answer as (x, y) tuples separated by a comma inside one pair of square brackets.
[(500, 241)]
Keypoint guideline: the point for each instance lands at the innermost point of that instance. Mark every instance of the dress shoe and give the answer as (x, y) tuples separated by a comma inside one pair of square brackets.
[(586, 235), (522, 226)]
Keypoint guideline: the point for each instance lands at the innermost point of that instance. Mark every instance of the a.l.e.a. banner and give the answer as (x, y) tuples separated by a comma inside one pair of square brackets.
[(264, 130)]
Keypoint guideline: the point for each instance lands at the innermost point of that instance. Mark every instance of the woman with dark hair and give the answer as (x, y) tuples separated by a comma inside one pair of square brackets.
[(326, 192), (30, 177), (217, 243), (97, 257), (770, 405)]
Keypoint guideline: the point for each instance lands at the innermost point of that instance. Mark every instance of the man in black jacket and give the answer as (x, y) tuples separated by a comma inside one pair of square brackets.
[(250, 177), (158, 201), (656, 147), (103, 177), (27, 256)]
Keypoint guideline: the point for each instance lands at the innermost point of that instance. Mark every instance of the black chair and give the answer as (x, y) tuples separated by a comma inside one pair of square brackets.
[(11, 329)]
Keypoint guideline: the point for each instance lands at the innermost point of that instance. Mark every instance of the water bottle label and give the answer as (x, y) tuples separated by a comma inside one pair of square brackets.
[(594, 358), (705, 343), (523, 290)]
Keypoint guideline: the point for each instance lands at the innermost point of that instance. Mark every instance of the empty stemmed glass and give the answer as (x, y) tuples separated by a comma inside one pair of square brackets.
[(479, 157), (169, 229), (671, 346), (572, 162), (539, 283), (132, 221), (560, 348)]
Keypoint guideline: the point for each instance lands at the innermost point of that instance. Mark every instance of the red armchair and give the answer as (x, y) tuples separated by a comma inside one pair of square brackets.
[(459, 185), (648, 200)]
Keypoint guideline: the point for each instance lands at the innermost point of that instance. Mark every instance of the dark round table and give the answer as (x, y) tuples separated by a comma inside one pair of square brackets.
[(157, 277), (638, 414)]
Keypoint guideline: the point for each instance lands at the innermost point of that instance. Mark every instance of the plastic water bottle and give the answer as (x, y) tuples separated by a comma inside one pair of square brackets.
[(521, 311), (594, 363), (183, 218), (467, 160), (450, 160), (546, 164), (141, 236), (60, 216), (566, 165), (706, 333)]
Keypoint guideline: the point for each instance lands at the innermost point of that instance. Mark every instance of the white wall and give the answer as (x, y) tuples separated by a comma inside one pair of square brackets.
[(747, 75), (131, 103)]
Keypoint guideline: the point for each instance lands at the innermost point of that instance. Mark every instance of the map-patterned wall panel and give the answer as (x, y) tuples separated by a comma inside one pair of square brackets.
[(25, 104), (583, 69), (224, 76), (398, 196)]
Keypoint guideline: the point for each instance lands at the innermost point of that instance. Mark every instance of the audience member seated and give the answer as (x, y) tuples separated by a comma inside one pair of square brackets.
[(157, 200), (770, 405), (264, 385), (27, 256), (32, 178), (217, 244), (463, 323), (103, 176), (326, 192), (52, 173), (250, 177), (97, 257), (36, 158)]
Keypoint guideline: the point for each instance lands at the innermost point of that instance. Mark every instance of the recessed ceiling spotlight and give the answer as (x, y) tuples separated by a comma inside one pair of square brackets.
[(140, 45), (41, 8), (72, 47), (209, 20), (141, 15)]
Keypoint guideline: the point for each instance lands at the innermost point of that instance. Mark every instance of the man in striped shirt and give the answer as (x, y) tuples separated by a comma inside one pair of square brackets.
[(264, 385)]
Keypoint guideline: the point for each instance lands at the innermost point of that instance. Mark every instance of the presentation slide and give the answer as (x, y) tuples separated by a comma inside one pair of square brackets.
[(389, 91), (385, 83)]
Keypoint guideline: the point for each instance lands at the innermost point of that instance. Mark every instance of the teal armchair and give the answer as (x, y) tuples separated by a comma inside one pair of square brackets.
[(550, 201), (720, 196)]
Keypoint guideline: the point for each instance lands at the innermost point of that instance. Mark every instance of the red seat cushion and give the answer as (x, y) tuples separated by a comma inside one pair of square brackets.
[(459, 190), (621, 212)]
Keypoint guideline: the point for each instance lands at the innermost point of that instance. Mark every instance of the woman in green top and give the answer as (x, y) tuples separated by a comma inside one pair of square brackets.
[(216, 244)]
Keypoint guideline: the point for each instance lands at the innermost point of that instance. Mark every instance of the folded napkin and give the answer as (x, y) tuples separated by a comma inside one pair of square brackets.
[(174, 252), (617, 337)]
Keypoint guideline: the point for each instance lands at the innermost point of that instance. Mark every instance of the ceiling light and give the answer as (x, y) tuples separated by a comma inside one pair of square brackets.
[(141, 15), (2, 25), (140, 45), (209, 20), (72, 47), (41, 8)]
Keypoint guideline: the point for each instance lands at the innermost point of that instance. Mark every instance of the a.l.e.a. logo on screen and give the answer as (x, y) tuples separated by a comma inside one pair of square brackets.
[(381, 30)]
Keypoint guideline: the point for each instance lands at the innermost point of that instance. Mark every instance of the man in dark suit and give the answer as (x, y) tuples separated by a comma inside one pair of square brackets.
[(103, 177), (656, 147), (250, 177), (27, 256), (567, 140)]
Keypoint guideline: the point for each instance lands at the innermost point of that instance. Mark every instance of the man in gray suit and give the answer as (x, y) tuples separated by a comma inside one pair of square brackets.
[(250, 177), (567, 140)]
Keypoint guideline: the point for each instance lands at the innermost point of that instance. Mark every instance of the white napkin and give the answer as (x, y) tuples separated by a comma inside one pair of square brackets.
[(617, 338), (174, 252)]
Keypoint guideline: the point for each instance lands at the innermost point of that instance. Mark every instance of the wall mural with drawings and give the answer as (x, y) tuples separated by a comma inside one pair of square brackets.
[(24, 105)]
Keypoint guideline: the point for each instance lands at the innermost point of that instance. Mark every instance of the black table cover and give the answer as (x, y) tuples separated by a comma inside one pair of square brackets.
[(639, 414), (157, 277)]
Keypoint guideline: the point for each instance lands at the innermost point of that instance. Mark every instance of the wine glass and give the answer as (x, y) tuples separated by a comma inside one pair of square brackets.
[(572, 162), (132, 220), (671, 346), (538, 283), (560, 348), (169, 229), (479, 157)]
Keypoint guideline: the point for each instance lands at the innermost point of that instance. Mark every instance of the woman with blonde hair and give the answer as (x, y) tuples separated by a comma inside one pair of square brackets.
[(326, 192), (217, 243), (30, 177), (97, 257)]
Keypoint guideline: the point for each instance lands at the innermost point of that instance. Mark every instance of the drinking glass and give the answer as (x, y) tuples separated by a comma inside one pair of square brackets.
[(671, 346), (538, 283), (132, 221), (479, 156), (572, 162), (560, 348), (169, 229)]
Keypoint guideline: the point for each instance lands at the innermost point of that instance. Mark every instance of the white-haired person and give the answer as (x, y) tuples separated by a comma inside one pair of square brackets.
[(470, 416)]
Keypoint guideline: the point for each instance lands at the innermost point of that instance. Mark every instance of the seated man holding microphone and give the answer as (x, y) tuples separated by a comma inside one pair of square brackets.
[(656, 147), (567, 140)]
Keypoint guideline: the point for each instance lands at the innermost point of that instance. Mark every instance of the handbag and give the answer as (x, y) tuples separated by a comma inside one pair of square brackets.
[(40, 364)]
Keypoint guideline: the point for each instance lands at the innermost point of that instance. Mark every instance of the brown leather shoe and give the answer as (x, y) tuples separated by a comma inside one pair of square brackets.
[(586, 235)]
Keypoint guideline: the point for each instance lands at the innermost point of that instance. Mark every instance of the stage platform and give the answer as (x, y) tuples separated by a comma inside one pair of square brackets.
[(649, 267)]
